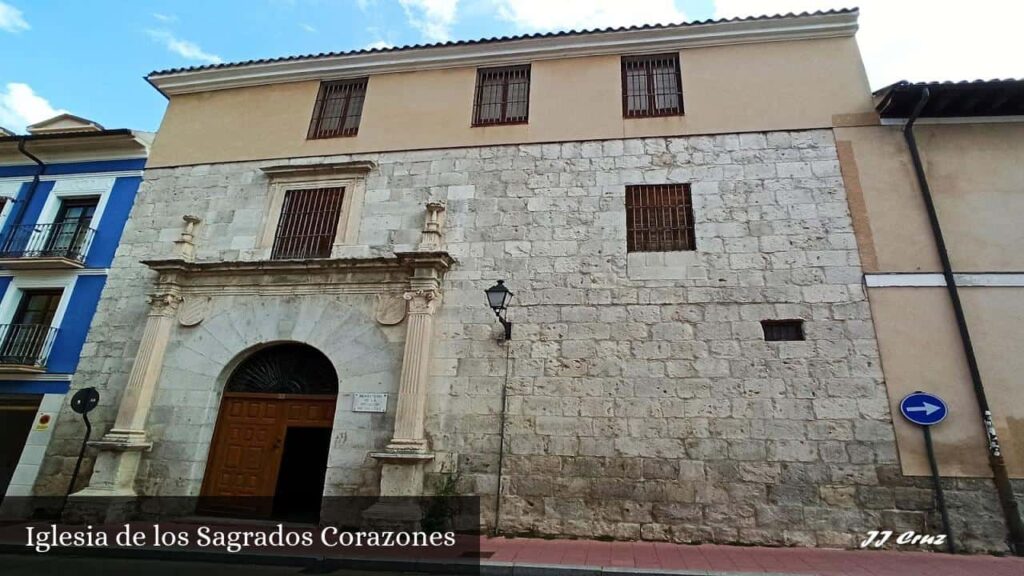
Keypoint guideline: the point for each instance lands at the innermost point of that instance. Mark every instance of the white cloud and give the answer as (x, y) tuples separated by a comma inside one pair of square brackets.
[(11, 19), (433, 18), (308, 28), (184, 48), (918, 41), (581, 14), (379, 44), (21, 106), (167, 18)]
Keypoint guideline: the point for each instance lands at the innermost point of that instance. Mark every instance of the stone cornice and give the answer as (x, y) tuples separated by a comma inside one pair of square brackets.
[(401, 261), (289, 171), (621, 41)]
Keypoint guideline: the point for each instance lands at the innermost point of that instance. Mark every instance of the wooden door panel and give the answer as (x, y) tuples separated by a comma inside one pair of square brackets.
[(247, 446), (246, 452), (311, 413)]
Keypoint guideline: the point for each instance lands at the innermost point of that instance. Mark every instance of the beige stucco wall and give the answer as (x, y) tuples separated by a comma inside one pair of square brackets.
[(977, 182), (740, 88), (921, 350)]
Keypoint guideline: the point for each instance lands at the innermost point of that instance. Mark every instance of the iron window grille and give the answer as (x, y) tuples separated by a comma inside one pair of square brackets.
[(308, 224), (651, 86), (782, 330), (502, 96), (659, 218), (339, 107)]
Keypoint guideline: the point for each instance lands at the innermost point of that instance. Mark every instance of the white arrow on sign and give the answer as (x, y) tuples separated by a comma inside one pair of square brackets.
[(926, 407)]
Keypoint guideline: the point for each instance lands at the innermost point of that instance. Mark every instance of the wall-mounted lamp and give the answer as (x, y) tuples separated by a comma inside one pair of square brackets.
[(498, 297)]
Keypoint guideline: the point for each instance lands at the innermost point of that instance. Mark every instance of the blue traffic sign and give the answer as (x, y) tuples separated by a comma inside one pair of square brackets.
[(923, 408)]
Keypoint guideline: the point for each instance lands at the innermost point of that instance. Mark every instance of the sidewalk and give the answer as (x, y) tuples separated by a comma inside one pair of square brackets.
[(540, 557), (655, 557)]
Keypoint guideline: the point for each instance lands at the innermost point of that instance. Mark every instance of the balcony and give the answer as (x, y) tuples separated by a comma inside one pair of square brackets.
[(25, 347), (57, 245)]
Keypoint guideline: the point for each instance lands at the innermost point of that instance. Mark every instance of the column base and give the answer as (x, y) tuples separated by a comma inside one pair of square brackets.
[(402, 475), (123, 441), (401, 485), (417, 445)]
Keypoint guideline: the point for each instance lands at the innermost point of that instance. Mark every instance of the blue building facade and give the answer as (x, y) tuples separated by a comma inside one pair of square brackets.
[(66, 191)]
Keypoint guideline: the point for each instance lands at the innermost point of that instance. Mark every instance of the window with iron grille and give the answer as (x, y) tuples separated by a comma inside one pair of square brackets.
[(502, 95), (780, 330), (651, 86), (659, 218), (339, 106), (308, 223)]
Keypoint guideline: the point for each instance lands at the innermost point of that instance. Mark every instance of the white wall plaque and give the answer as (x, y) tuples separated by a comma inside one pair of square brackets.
[(369, 402)]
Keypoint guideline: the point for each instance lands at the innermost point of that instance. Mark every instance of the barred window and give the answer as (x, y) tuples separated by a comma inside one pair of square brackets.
[(659, 218), (502, 95), (780, 330), (651, 86), (308, 223), (339, 106)]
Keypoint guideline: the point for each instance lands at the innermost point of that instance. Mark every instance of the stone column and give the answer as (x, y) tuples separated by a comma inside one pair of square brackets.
[(412, 390), (403, 459), (120, 448)]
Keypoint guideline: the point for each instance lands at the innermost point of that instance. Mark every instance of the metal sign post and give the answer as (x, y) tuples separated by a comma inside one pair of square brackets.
[(83, 402), (927, 410)]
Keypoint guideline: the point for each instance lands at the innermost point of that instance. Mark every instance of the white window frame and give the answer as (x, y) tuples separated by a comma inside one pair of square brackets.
[(9, 190), (29, 280), (71, 189)]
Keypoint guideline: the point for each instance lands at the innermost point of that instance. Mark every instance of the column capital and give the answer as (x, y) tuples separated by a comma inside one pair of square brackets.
[(423, 301), (164, 302)]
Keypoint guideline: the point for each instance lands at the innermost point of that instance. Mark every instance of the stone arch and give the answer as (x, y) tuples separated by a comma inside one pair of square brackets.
[(200, 359), (283, 368)]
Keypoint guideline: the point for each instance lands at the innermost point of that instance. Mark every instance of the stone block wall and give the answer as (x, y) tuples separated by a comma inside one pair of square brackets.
[(643, 401)]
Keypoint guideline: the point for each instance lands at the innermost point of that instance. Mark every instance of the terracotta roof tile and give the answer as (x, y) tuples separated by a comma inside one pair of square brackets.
[(495, 39)]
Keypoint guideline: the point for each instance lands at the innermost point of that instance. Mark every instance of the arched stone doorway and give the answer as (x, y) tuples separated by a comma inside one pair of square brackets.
[(268, 456)]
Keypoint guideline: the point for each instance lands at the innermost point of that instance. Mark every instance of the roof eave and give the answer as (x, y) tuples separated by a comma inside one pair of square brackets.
[(803, 27), (111, 139), (964, 99)]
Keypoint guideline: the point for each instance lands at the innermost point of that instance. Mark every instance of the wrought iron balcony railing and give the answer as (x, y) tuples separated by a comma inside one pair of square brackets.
[(26, 346), (65, 240)]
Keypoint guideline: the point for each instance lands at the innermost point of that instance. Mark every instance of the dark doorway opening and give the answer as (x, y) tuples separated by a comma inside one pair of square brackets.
[(17, 414), (300, 483)]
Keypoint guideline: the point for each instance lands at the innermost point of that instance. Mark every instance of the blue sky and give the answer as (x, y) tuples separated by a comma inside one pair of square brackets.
[(89, 58)]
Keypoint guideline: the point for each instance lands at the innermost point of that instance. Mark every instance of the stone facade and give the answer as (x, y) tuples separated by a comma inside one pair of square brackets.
[(642, 399)]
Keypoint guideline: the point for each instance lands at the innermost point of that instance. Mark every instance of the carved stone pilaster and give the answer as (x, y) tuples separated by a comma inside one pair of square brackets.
[(118, 460), (412, 391)]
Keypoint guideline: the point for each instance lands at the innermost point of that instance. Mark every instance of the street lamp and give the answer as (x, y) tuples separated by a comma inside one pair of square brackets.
[(498, 297)]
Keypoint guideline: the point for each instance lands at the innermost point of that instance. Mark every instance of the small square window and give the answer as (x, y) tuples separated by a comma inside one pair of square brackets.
[(339, 107), (783, 330), (502, 96), (659, 218), (308, 223), (651, 86)]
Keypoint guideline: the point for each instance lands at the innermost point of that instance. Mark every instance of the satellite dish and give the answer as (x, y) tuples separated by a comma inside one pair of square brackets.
[(85, 400)]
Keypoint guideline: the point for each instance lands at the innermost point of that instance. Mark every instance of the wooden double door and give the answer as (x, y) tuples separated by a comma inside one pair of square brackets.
[(256, 433)]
